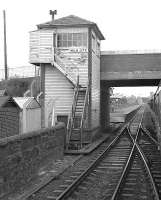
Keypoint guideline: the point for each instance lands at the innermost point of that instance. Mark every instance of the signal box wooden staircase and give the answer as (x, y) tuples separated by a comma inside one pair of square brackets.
[(78, 116), (77, 120)]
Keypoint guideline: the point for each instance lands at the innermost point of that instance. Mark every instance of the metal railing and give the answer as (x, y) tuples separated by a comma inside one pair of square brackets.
[(84, 114), (72, 114), (68, 68)]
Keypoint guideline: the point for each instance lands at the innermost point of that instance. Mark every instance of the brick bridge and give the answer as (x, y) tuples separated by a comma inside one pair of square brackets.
[(127, 68)]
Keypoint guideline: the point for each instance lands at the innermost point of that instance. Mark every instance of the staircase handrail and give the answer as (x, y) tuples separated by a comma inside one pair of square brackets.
[(74, 99), (69, 71), (83, 113), (71, 116), (57, 54)]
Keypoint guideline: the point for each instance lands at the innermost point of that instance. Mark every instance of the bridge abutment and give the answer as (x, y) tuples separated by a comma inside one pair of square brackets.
[(105, 107)]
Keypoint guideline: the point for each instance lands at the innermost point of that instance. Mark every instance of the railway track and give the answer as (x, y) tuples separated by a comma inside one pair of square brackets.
[(77, 175), (150, 148), (136, 182), (119, 171)]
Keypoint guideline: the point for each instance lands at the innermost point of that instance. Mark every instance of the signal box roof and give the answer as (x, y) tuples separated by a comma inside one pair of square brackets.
[(71, 21)]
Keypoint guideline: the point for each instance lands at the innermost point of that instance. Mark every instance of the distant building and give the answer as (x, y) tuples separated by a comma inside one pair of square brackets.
[(116, 100)]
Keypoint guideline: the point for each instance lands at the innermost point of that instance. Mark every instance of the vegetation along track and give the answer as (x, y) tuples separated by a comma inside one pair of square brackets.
[(109, 172)]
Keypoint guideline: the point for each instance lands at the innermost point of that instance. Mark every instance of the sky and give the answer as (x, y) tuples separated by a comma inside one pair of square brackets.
[(126, 24)]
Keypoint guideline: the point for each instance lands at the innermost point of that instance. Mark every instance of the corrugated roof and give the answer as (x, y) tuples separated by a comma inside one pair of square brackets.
[(29, 102), (21, 101), (71, 20), (33, 104)]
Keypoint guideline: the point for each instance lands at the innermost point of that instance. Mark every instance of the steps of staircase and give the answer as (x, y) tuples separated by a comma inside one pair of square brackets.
[(78, 114), (79, 109), (80, 103), (82, 89), (80, 99), (76, 129), (81, 93), (90, 147), (75, 136)]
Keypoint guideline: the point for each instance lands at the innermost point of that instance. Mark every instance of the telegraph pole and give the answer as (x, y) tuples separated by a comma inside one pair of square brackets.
[(5, 46)]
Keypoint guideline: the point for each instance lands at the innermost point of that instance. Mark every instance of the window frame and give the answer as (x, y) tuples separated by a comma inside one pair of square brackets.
[(69, 40)]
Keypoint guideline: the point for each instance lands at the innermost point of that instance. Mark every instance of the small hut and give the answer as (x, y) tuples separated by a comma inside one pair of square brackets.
[(30, 115), (9, 117)]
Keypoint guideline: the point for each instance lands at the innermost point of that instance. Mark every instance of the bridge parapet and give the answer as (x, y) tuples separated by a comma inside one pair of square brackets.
[(131, 65)]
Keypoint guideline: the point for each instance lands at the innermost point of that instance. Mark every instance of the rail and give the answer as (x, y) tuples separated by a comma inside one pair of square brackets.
[(125, 171), (124, 140), (73, 186), (137, 148), (127, 166), (148, 134)]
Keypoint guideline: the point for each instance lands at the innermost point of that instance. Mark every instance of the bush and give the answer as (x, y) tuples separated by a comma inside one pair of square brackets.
[(16, 87)]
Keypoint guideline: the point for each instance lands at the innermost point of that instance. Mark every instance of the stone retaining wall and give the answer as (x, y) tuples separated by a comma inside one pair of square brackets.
[(21, 155)]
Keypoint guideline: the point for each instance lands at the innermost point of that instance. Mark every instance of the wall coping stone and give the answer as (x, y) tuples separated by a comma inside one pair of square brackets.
[(5, 141)]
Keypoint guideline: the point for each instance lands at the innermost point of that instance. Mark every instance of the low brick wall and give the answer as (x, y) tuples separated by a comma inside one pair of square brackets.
[(22, 155)]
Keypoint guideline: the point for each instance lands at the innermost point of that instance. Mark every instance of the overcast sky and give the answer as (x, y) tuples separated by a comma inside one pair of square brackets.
[(126, 24)]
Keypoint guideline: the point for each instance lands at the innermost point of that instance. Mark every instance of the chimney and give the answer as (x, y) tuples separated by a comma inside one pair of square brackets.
[(53, 13)]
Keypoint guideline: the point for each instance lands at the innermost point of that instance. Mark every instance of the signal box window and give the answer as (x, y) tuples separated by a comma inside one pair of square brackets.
[(72, 40)]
